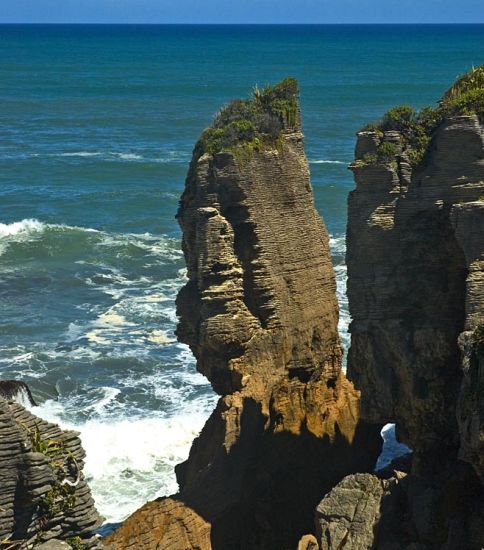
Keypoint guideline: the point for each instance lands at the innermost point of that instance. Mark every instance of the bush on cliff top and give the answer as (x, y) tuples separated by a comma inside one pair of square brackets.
[(464, 97), (252, 123)]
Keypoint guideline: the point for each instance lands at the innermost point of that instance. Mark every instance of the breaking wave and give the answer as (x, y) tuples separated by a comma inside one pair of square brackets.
[(324, 161)]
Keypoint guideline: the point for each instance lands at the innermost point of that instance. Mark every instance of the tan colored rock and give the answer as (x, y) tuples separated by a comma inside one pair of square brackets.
[(308, 542), (260, 314)]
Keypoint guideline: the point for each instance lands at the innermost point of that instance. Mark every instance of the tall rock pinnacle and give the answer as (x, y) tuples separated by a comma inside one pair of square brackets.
[(260, 314)]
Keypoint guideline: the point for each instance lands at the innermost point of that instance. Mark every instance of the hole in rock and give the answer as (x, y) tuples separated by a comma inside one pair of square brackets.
[(391, 447)]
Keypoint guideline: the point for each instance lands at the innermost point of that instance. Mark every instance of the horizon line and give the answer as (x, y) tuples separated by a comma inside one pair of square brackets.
[(172, 24)]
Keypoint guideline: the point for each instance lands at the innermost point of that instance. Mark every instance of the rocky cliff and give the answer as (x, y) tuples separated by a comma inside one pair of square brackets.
[(415, 260), (44, 498), (260, 314)]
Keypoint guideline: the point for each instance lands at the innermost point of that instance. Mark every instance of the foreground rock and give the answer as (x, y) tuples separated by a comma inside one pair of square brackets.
[(44, 498), (416, 292), (260, 314)]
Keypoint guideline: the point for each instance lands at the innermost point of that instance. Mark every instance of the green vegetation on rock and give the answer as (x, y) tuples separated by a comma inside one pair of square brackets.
[(76, 543), (386, 152), (246, 125), (61, 497), (464, 97)]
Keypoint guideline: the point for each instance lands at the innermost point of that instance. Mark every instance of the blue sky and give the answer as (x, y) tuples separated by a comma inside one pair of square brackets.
[(242, 11)]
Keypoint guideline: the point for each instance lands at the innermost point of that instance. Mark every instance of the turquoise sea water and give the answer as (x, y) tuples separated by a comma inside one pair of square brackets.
[(97, 124)]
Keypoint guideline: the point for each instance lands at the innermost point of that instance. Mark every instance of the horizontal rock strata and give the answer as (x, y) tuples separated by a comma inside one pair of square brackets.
[(415, 260), (43, 494), (260, 314)]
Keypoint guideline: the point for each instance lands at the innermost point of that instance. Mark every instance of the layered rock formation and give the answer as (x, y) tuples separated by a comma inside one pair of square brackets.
[(44, 498), (260, 314), (416, 292)]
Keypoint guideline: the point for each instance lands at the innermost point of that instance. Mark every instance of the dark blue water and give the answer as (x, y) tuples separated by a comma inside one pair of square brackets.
[(97, 124)]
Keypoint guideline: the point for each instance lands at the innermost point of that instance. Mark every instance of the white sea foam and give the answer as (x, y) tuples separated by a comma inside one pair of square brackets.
[(131, 460), (100, 406), (324, 161), (159, 337), (111, 318), (27, 226), (128, 156), (338, 248), (32, 227), (106, 155), (79, 154), (337, 244), (97, 337)]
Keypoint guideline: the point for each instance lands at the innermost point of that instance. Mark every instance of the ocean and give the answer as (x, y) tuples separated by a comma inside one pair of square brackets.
[(97, 125)]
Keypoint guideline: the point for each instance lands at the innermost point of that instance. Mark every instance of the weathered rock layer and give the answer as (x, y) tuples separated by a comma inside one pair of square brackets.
[(43, 493), (416, 282), (416, 292), (260, 314)]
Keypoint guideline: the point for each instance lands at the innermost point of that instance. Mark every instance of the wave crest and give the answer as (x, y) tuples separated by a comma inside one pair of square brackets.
[(29, 225)]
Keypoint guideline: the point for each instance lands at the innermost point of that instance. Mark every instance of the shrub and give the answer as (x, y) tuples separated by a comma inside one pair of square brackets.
[(387, 152), (472, 80), (464, 97), (468, 103), (399, 118), (252, 123)]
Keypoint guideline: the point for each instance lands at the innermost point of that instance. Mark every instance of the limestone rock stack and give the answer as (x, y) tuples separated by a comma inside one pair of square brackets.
[(415, 260), (44, 497), (260, 314)]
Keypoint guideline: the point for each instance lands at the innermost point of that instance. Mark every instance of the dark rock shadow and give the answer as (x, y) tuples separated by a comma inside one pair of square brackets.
[(262, 493)]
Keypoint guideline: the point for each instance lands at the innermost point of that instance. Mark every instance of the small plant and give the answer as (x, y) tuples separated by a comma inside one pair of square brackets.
[(76, 543), (367, 159), (372, 127), (61, 497)]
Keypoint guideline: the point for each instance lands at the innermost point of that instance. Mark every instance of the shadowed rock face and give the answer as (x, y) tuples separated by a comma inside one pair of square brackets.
[(416, 283), (260, 314), (43, 494)]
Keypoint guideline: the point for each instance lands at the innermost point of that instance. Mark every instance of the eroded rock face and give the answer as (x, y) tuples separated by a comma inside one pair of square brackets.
[(260, 314), (416, 293), (350, 515), (43, 494), (396, 511)]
